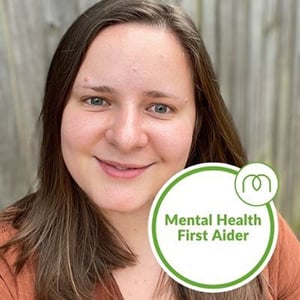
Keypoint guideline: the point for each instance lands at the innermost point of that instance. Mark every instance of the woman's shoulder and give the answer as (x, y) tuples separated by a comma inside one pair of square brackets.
[(14, 286), (7, 231), (8, 288), (283, 270), (11, 216)]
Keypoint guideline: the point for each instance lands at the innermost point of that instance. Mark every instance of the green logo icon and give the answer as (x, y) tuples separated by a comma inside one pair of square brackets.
[(256, 181), (256, 184)]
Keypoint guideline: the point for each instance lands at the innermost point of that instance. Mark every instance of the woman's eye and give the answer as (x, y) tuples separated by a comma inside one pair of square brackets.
[(160, 108), (96, 101)]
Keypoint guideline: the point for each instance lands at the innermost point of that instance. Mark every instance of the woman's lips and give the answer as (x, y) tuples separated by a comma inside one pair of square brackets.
[(122, 171)]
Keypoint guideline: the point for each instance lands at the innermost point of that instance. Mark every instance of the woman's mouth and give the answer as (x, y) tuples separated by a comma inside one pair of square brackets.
[(122, 170)]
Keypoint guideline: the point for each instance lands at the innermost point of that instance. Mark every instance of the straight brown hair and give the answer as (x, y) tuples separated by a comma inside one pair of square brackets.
[(58, 224)]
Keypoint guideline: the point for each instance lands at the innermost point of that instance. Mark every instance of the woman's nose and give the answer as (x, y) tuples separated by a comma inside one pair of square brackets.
[(126, 131)]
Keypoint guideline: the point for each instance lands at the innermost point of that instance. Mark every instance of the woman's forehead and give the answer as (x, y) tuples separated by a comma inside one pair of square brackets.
[(136, 52)]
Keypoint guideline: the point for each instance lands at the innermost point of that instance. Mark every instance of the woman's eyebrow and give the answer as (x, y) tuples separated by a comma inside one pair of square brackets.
[(160, 94), (150, 93), (100, 88)]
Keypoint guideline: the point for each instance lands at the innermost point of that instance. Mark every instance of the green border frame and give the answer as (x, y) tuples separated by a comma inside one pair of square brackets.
[(164, 260)]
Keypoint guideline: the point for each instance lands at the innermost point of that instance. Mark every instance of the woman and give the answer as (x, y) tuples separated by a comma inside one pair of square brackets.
[(130, 99)]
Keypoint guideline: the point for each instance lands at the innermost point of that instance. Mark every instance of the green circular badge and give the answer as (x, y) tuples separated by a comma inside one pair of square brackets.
[(204, 236)]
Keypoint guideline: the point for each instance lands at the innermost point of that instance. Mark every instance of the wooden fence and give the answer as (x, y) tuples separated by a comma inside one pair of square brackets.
[(255, 48)]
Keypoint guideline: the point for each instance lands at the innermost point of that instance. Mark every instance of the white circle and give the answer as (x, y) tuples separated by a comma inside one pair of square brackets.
[(192, 222), (256, 184)]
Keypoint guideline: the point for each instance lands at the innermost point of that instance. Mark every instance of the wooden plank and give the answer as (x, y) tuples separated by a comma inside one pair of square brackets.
[(21, 94)]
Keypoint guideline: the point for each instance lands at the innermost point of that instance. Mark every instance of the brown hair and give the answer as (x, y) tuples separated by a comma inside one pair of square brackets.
[(58, 224)]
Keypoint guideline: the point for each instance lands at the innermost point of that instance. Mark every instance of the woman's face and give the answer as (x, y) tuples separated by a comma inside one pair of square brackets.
[(128, 124)]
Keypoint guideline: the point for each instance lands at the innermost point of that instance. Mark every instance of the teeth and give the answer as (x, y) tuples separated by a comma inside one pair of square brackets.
[(121, 168)]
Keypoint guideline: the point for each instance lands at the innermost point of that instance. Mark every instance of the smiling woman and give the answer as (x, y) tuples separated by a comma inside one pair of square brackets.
[(130, 99), (122, 131)]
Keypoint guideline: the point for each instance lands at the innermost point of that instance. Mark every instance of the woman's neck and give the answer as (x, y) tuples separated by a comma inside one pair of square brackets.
[(141, 280), (133, 227)]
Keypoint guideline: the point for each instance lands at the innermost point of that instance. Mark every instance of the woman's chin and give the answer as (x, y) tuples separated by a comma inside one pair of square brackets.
[(126, 205)]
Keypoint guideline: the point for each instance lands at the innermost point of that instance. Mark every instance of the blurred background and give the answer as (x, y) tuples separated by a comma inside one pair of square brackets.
[(255, 49)]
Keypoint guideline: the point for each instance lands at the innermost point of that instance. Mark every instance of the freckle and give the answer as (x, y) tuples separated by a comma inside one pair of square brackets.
[(133, 70)]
